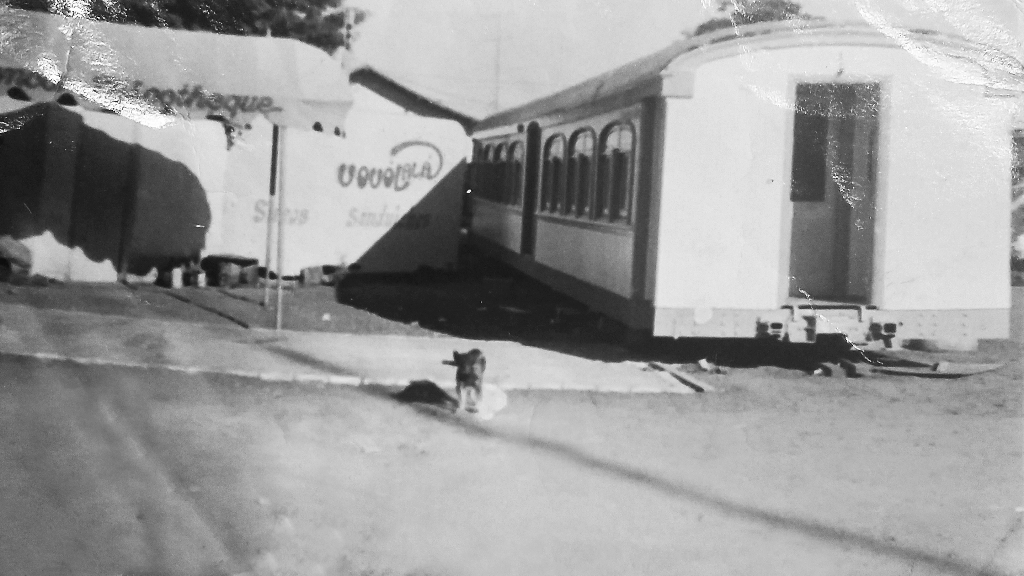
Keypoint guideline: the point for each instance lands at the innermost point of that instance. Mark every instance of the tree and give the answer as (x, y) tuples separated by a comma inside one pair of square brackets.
[(326, 24), (742, 12)]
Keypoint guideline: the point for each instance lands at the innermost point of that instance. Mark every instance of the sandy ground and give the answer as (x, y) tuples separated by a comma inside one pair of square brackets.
[(108, 471), (122, 471)]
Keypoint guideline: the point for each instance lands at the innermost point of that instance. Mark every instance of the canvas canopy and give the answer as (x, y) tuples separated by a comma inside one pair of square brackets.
[(155, 75)]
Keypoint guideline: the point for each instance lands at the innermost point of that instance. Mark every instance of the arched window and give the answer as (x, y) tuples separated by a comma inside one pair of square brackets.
[(615, 173), (516, 164), (482, 172), (552, 192), (498, 173), (580, 184)]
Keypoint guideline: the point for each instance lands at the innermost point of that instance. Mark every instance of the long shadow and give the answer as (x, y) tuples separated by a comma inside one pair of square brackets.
[(117, 201), (310, 361), (678, 490), (487, 300)]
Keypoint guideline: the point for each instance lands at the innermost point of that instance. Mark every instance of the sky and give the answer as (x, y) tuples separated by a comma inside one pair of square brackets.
[(478, 56)]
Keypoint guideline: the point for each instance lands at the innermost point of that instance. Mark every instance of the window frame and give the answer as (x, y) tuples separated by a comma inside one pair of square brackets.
[(552, 193), (582, 199), (609, 179), (516, 177), (633, 116)]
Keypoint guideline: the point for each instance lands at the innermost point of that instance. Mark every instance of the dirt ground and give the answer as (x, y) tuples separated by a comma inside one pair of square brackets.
[(110, 471), (121, 471)]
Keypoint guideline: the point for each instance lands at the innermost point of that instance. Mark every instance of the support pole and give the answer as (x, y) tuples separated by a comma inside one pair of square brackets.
[(270, 213), (280, 236), (128, 214)]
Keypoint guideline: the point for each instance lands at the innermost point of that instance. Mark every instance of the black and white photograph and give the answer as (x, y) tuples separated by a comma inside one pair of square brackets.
[(511, 287)]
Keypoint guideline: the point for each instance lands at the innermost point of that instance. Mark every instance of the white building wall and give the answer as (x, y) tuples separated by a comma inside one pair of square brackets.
[(721, 196), (589, 253), (946, 227), (941, 238), (384, 223)]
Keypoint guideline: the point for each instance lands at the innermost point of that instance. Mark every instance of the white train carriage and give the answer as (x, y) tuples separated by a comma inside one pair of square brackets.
[(779, 180)]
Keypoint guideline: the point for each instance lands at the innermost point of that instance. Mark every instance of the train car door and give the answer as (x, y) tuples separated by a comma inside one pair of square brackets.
[(529, 237), (833, 191)]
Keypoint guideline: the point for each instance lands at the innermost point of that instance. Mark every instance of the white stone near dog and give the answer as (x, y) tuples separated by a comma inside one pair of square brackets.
[(492, 401)]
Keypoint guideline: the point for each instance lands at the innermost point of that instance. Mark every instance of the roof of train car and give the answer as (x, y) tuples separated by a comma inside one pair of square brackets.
[(647, 71)]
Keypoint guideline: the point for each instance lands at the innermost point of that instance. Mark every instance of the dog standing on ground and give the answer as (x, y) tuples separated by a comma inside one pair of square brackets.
[(469, 378)]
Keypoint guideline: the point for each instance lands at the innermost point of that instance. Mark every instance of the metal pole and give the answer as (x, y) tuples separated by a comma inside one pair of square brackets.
[(270, 214), (128, 214), (280, 237)]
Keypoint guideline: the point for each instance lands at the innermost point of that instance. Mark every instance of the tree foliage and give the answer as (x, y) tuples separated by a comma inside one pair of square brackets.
[(740, 12), (322, 23)]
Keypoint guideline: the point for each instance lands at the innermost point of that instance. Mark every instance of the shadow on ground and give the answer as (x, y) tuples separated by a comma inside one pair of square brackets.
[(425, 398), (488, 300)]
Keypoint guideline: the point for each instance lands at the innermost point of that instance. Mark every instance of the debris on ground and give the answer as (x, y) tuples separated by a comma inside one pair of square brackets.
[(492, 400), (17, 256), (895, 363), (16, 264), (686, 378), (835, 366), (938, 369), (710, 367)]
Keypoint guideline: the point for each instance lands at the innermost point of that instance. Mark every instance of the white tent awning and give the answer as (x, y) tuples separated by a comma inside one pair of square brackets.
[(154, 75)]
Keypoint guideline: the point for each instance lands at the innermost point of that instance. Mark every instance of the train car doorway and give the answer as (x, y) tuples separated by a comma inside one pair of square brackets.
[(530, 193), (833, 191)]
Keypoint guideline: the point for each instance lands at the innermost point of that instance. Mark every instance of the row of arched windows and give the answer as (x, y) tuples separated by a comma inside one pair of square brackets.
[(499, 174), (570, 185), (581, 177)]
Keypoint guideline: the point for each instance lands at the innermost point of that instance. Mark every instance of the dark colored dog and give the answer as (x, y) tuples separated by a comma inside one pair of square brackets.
[(469, 378)]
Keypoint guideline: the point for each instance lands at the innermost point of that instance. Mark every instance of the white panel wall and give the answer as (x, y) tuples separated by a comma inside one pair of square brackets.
[(399, 210), (240, 217), (942, 228), (498, 224), (947, 217), (721, 198), (598, 257)]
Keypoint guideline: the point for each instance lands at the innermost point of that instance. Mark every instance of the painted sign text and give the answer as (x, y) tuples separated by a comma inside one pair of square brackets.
[(293, 216), (189, 96), (387, 217), (402, 170)]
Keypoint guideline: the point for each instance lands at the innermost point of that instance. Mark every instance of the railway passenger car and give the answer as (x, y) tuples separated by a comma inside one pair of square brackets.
[(782, 180)]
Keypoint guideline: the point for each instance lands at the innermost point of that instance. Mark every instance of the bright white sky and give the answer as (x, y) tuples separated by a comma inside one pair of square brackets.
[(450, 49)]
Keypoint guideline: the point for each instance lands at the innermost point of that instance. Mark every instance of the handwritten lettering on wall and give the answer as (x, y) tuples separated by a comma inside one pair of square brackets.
[(409, 161)]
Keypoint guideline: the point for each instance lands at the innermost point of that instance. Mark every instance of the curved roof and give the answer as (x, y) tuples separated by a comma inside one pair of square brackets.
[(647, 72)]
